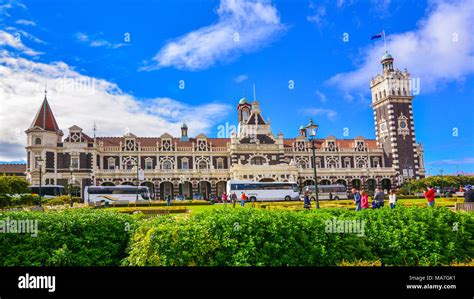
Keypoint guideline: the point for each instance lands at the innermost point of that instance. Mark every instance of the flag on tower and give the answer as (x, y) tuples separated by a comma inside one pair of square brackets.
[(378, 35)]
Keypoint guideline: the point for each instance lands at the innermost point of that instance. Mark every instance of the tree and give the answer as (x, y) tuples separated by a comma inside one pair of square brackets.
[(11, 185)]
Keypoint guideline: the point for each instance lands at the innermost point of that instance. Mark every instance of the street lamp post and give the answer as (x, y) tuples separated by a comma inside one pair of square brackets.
[(39, 162), (70, 184), (313, 128)]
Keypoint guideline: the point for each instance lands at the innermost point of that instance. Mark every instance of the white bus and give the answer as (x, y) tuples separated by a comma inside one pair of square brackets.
[(326, 192), (264, 191), (115, 193)]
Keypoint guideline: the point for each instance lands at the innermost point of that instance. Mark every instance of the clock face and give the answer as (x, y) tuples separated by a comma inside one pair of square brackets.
[(403, 125)]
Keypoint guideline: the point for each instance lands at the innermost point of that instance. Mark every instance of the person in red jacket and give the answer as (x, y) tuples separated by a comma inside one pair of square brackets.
[(430, 196), (364, 200)]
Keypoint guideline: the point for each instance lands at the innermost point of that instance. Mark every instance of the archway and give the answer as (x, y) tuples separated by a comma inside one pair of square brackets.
[(356, 183), (308, 183), (107, 184), (204, 188), (128, 184), (151, 188), (267, 180), (386, 185), (166, 188), (186, 190), (341, 182), (325, 182), (371, 185)]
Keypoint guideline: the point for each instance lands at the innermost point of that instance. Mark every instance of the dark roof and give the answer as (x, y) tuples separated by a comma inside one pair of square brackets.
[(44, 118), (12, 168)]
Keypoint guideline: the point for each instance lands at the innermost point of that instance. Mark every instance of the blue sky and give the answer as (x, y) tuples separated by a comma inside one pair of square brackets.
[(139, 51)]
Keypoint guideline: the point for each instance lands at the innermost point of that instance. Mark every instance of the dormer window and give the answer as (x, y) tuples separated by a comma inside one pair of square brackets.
[(360, 147), (37, 141)]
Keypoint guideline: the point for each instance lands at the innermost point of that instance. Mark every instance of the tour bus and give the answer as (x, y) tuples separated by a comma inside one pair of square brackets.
[(326, 192), (264, 191), (114, 193), (48, 190)]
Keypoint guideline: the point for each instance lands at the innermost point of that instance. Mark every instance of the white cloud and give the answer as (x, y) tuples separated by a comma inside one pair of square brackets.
[(322, 97), (82, 100), (97, 42), (240, 78), (329, 113), (438, 51), (25, 22), (319, 12), (14, 41), (242, 27)]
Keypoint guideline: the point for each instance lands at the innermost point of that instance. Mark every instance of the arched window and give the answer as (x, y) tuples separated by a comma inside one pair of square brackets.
[(167, 165), (332, 164), (302, 164), (202, 164), (37, 141), (258, 161)]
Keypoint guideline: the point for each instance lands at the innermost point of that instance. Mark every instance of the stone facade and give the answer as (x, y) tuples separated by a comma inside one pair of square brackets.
[(184, 165)]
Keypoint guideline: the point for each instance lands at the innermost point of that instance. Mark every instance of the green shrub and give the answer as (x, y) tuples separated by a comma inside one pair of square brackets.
[(73, 237), (259, 237)]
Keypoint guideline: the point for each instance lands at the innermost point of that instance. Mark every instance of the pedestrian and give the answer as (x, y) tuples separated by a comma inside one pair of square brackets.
[(392, 199), (243, 197), (168, 199), (364, 200), (356, 198), (378, 199), (224, 198), (430, 196), (307, 202), (233, 197)]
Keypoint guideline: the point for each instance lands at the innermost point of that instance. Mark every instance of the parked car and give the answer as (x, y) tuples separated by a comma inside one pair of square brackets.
[(179, 197), (198, 196)]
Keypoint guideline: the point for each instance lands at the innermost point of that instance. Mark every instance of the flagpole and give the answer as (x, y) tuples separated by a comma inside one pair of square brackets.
[(384, 43)]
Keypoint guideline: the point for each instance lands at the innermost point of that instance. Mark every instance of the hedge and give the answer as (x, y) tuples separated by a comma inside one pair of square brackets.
[(257, 237), (73, 237)]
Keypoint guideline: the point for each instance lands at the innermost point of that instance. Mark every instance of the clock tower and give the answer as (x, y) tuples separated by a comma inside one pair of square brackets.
[(393, 117)]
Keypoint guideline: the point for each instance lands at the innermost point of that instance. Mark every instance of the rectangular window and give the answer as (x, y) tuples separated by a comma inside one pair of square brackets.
[(75, 162), (220, 164), (184, 164), (111, 163), (148, 164)]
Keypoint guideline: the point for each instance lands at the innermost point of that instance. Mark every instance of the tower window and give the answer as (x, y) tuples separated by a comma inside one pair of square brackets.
[(37, 141), (75, 162)]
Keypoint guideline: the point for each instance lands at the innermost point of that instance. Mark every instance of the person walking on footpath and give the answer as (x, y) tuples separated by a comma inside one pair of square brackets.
[(233, 197), (307, 203), (224, 198), (364, 199), (392, 199), (242, 199), (168, 199), (356, 198), (430, 196)]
